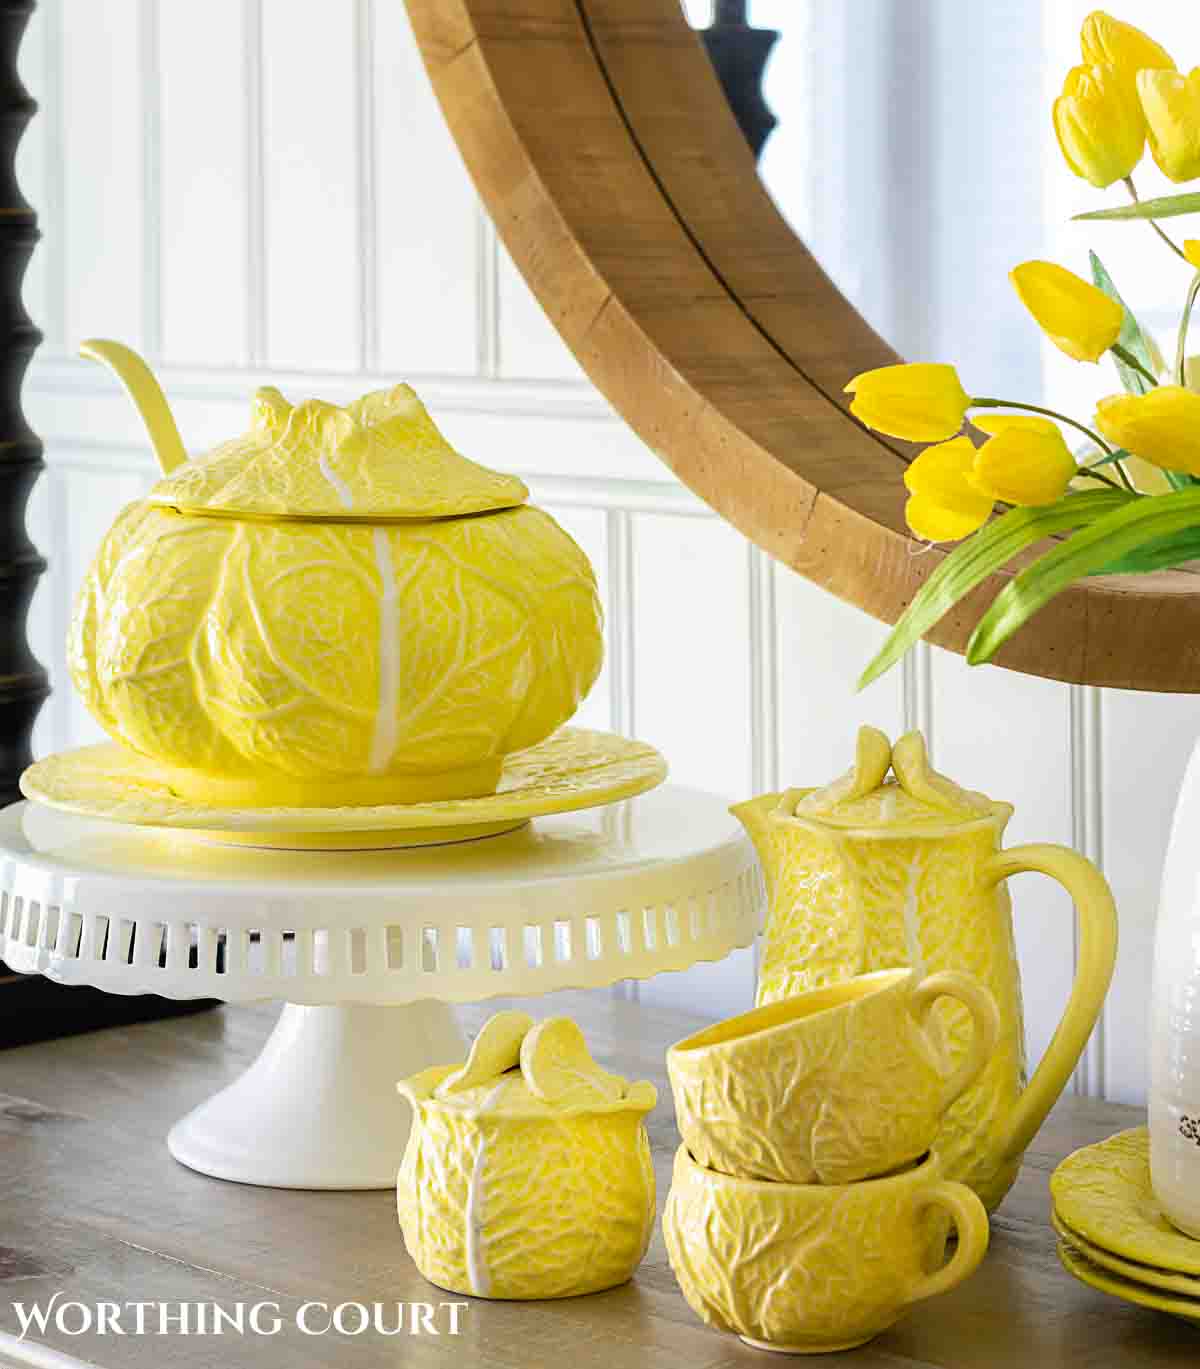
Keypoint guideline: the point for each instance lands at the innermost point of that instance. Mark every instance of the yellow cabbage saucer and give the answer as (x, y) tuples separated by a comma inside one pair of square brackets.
[(1103, 1193), (527, 1172), (574, 769), (1078, 1265), (1145, 1274)]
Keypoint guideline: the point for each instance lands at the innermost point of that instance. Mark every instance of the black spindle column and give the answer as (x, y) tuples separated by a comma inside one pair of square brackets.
[(23, 684), (739, 56), (31, 1008)]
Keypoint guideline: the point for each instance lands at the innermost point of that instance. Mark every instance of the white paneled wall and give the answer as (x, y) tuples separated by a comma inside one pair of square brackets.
[(256, 191)]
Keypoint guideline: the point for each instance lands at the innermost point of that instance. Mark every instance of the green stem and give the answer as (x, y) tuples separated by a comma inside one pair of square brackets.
[(981, 403), (1174, 246), (1181, 344), (1131, 361), (1099, 475)]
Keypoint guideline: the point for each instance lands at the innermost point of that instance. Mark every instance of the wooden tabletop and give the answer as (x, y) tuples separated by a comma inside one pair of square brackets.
[(92, 1203)]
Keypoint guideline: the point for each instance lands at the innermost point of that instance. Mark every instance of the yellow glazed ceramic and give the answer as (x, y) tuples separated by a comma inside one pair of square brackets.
[(527, 1172), (809, 1268), (335, 608), (1074, 1262), (834, 1085), (1186, 1284), (1103, 1192), (576, 768), (873, 873)]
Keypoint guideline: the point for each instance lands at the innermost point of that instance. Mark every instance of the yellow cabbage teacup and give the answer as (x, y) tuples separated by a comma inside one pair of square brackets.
[(527, 1172), (335, 608), (841, 1083), (812, 1268)]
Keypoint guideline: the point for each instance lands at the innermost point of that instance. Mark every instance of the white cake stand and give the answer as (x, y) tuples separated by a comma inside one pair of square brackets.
[(367, 949)]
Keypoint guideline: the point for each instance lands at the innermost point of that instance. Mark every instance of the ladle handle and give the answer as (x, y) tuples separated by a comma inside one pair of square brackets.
[(1097, 912), (147, 395)]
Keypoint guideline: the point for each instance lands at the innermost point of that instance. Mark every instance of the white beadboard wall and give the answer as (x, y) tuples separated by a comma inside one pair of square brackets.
[(255, 191)]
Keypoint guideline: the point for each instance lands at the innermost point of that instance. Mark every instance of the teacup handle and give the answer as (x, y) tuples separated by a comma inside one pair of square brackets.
[(985, 1024), (1097, 955), (970, 1223)]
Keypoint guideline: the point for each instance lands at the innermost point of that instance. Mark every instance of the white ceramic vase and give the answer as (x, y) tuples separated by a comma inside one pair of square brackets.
[(1175, 1018)]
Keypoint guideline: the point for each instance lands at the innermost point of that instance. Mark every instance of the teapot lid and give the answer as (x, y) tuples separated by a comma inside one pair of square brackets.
[(865, 797), (379, 458)]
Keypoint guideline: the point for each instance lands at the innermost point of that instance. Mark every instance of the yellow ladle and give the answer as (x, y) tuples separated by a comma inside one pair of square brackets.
[(147, 395)]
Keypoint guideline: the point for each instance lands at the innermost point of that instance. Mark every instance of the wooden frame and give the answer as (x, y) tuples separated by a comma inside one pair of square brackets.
[(601, 144)]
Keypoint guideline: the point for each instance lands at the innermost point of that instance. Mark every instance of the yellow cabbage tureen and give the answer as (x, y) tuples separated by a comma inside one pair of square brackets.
[(335, 608), (527, 1172)]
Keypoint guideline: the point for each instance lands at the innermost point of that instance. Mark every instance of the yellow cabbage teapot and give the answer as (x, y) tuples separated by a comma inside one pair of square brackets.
[(871, 873), (335, 608)]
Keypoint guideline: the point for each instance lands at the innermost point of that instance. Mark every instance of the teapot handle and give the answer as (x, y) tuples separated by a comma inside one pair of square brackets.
[(1097, 956)]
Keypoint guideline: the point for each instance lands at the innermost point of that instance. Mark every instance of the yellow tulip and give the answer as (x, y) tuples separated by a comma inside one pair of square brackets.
[(1162, 427), (1171, 104), (917, 401), (1079, 319), (1191, 250), (1026, 460), (1110, 42), (1099, 125), (945, 504)]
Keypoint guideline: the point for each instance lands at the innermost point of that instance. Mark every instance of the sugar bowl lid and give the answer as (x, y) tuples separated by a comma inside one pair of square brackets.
[(381, 458), (865, 797), (519, 1069)]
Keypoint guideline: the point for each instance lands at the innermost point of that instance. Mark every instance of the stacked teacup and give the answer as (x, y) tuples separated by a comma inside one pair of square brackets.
[(807, 1208)]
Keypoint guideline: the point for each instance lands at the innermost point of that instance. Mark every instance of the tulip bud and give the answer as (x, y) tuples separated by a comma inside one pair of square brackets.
[(1171, 104), (945, 504), (1110, 42), (918, 401), (1099, 125), (1025, 462), (1080, 319), (1161, 426)]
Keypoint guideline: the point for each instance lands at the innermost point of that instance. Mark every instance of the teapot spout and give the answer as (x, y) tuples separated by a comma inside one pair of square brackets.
[(147, 395), (752, 814)]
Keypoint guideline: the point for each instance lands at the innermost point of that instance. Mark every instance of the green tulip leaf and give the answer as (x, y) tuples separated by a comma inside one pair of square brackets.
[(1167, 551), (1119, 455), (1131, 337), (971, 563), (1101, 543), (1165, 207)]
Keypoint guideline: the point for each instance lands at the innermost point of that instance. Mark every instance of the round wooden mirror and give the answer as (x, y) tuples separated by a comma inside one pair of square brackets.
[(602, 145)]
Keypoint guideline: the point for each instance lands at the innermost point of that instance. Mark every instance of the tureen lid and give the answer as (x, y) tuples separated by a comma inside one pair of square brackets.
[(915, 795), (379, 458)]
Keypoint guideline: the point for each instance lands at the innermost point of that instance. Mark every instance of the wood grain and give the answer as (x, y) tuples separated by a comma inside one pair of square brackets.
[(91, 1202), (602, 146)]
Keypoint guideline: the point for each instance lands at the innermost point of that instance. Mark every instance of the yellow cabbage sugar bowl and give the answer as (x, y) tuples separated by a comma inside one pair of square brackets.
[(335, 608), (527, 1172)]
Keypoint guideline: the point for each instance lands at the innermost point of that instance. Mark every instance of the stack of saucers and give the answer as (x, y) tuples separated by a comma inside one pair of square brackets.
[(1112, 1234), (807, 1209)]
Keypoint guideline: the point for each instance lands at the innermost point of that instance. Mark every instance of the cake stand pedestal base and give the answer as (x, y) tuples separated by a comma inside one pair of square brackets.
[(318, 1108), (379, 943)]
